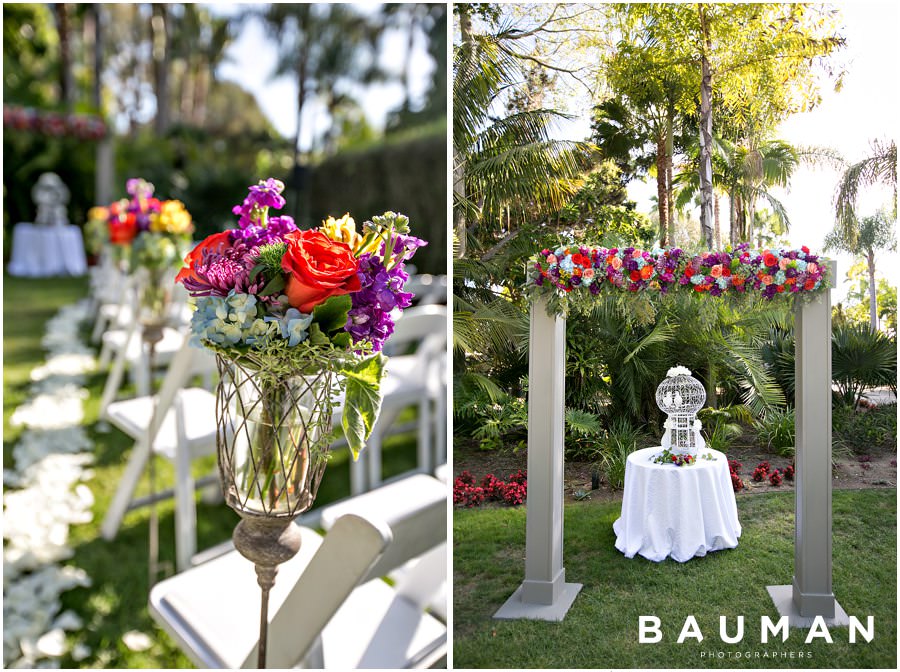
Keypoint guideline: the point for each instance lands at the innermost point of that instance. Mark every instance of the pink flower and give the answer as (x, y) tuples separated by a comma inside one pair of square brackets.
[(812, 268), (588, 274), (551, 259), (782, 264), (716, 271), (636, 254), (616, 263)]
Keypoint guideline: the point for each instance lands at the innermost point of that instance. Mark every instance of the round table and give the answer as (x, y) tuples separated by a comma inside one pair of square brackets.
[(42, 251), (677, 512)]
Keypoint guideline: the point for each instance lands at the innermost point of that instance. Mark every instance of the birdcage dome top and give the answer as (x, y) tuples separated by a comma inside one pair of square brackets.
[(680, 392)]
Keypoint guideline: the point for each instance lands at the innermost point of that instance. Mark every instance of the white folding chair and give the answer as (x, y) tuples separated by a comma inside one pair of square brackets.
[(180, 425), (409, 381), (427, 288), (329, 607)]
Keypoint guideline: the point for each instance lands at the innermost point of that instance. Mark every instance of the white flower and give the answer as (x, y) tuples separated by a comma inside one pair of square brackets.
[(678, 371)]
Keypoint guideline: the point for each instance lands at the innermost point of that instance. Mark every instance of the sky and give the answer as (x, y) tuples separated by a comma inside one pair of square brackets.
[(252, 57)]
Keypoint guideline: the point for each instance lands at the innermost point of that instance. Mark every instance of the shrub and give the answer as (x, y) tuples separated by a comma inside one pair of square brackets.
[(734, 466), (788, 472), (861, 359), (723, 425), (864, 430), (493, 487), (775, 431), (775, 477), (761, 472), (512, 492), (620, 441), (736, 482)]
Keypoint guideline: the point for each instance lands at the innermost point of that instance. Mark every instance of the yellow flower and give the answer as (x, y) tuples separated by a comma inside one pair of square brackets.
[(172, 218), (98, 214), (342, 230)]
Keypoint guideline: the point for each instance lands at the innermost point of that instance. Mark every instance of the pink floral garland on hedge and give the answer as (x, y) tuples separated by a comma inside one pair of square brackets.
[(732, 271)]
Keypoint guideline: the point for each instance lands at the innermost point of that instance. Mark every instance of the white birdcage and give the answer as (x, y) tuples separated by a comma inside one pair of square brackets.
[(680, 396)]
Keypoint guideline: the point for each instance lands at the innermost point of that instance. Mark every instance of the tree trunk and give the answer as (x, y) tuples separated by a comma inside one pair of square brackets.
[(751, 217), (159, 30), (459, 167), (732, 219), (662, 194), (670, 176), (718, 227), (706, 126), (66, 81), (873, 304)]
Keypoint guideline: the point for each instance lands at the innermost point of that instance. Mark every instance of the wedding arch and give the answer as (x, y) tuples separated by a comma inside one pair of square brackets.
[(544, 594)]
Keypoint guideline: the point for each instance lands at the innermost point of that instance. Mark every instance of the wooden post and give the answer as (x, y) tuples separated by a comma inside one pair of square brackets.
[(544, 594), (811, 594)]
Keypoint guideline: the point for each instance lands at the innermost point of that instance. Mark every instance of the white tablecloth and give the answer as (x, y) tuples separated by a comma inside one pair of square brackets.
[(677, 512), (40, 251)]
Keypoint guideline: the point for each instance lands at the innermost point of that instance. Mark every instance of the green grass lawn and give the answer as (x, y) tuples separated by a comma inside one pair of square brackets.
[(117, 601), (601, 629)]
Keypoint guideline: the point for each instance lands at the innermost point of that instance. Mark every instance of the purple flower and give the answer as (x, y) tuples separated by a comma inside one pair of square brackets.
[(405, 246), (381, 292), (220, 272), (254, 235)]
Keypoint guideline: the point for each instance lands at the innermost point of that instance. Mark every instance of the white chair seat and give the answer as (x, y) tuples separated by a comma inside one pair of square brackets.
[(132, 415), (168, 346)]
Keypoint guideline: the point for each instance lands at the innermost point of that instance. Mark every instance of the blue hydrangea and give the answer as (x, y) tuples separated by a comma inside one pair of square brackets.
[(294, 326), (722, 282), (780, 277), (801, 265), (566, 264), (697, 279), (640, 262)]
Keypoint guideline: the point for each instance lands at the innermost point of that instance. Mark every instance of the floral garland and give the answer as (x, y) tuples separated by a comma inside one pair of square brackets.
[(54, 124), (736, 271)]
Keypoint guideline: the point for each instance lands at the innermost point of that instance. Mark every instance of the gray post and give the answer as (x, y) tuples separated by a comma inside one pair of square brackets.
[(811, 594), (544, 594)]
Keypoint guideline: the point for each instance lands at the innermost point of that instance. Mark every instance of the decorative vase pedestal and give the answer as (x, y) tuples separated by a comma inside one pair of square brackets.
[(266, 542)]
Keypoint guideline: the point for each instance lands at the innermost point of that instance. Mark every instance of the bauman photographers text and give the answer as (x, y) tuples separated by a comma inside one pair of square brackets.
[(650, 630)]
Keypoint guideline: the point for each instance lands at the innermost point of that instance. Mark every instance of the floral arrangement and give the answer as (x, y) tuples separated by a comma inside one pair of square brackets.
[(678, 459), (730, 272), (512, 492), (54, 124), (155, 232), (291, 300)]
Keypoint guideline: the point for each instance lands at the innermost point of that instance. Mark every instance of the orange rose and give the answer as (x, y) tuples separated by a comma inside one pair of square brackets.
[(317, 268), (716, 271), (646, 271), (216, 243)]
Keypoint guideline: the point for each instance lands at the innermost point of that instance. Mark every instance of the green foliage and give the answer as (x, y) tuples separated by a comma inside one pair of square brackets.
[(405, 173), (775, 431), (861, 359), (620, 440), (723, 425), (362, 399), (865, 431)]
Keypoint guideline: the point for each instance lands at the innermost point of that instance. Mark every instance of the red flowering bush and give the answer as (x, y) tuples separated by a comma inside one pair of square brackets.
[(519, 477), (512, 492), (736, 482), (788, 472), (734, 466), (775, 477), (493, 487)]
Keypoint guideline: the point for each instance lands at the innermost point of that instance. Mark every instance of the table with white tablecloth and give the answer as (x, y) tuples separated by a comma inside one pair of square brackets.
[(678, 512), (42, 251)]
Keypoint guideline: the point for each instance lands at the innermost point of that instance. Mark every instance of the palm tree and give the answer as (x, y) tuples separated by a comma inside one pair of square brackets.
[(870, 235), (880, 167), (505, 161)]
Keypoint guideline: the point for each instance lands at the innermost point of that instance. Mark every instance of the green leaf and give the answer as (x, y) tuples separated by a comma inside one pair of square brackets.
[(341, 340), (331, 315), (362, 401), (256, 271), (274, 286), (316, 337)]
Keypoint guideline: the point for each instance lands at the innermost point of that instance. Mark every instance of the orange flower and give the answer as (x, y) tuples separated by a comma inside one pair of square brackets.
[(215, 243), (318, 268), (716, 271), (616, 263), (646, 271), (767, 279)]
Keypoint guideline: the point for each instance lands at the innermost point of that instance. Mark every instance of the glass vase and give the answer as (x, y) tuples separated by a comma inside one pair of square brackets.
[(155, 288), (274, 434)]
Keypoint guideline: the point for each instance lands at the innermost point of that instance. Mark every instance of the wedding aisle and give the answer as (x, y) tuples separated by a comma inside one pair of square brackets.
[(44, 494)]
